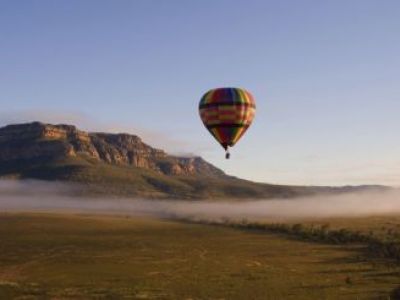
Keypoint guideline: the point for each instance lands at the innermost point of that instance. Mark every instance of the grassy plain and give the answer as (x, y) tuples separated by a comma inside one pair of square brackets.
[(65, 256)]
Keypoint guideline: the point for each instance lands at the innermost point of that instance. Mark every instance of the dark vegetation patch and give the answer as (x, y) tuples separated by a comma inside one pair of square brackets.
[(377, 246)]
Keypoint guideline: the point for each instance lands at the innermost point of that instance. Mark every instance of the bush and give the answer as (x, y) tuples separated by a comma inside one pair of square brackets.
[(376, 245), (395, 294)]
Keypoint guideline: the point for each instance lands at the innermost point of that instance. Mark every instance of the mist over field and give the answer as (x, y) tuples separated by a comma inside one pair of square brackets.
[(33, 195)]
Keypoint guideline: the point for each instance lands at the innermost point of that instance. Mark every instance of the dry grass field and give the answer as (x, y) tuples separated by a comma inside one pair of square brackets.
[(66, 256)]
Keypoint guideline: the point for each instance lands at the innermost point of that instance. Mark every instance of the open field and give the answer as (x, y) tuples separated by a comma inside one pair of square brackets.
[(60, 256)]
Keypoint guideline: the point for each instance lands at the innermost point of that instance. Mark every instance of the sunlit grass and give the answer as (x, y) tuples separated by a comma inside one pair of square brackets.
[(93, 257)]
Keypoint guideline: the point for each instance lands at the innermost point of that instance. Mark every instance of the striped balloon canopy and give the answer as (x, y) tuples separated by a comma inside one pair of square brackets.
[(227, 113)]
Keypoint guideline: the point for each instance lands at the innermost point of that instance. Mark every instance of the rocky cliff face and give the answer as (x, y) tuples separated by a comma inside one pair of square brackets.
[(45, 141)]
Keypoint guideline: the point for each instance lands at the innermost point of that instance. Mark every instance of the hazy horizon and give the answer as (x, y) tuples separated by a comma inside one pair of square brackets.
[(42, 196)]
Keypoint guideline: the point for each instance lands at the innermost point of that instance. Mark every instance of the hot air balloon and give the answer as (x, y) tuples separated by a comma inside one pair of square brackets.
[(227, 113)]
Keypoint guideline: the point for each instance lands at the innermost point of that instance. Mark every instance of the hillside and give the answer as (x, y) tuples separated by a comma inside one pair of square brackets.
[(121, 164)]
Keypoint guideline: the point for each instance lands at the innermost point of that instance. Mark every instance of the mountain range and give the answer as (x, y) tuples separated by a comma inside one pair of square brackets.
[(123, 165)]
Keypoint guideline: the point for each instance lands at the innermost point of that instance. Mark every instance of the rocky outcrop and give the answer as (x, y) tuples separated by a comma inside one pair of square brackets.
[(36, 140)]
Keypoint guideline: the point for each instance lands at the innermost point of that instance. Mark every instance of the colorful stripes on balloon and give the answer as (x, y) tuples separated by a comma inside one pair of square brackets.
[(227, 113)]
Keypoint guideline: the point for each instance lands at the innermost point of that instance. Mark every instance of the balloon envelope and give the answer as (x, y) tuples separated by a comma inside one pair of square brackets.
[(227, 113)]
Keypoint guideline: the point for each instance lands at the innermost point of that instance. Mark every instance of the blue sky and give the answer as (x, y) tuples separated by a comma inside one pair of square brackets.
[(325, 75)]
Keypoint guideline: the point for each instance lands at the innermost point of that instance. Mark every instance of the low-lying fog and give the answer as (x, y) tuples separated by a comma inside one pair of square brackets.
[(42, 196)]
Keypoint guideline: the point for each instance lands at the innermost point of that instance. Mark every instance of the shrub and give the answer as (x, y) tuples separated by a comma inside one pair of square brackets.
[(395, 294)]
